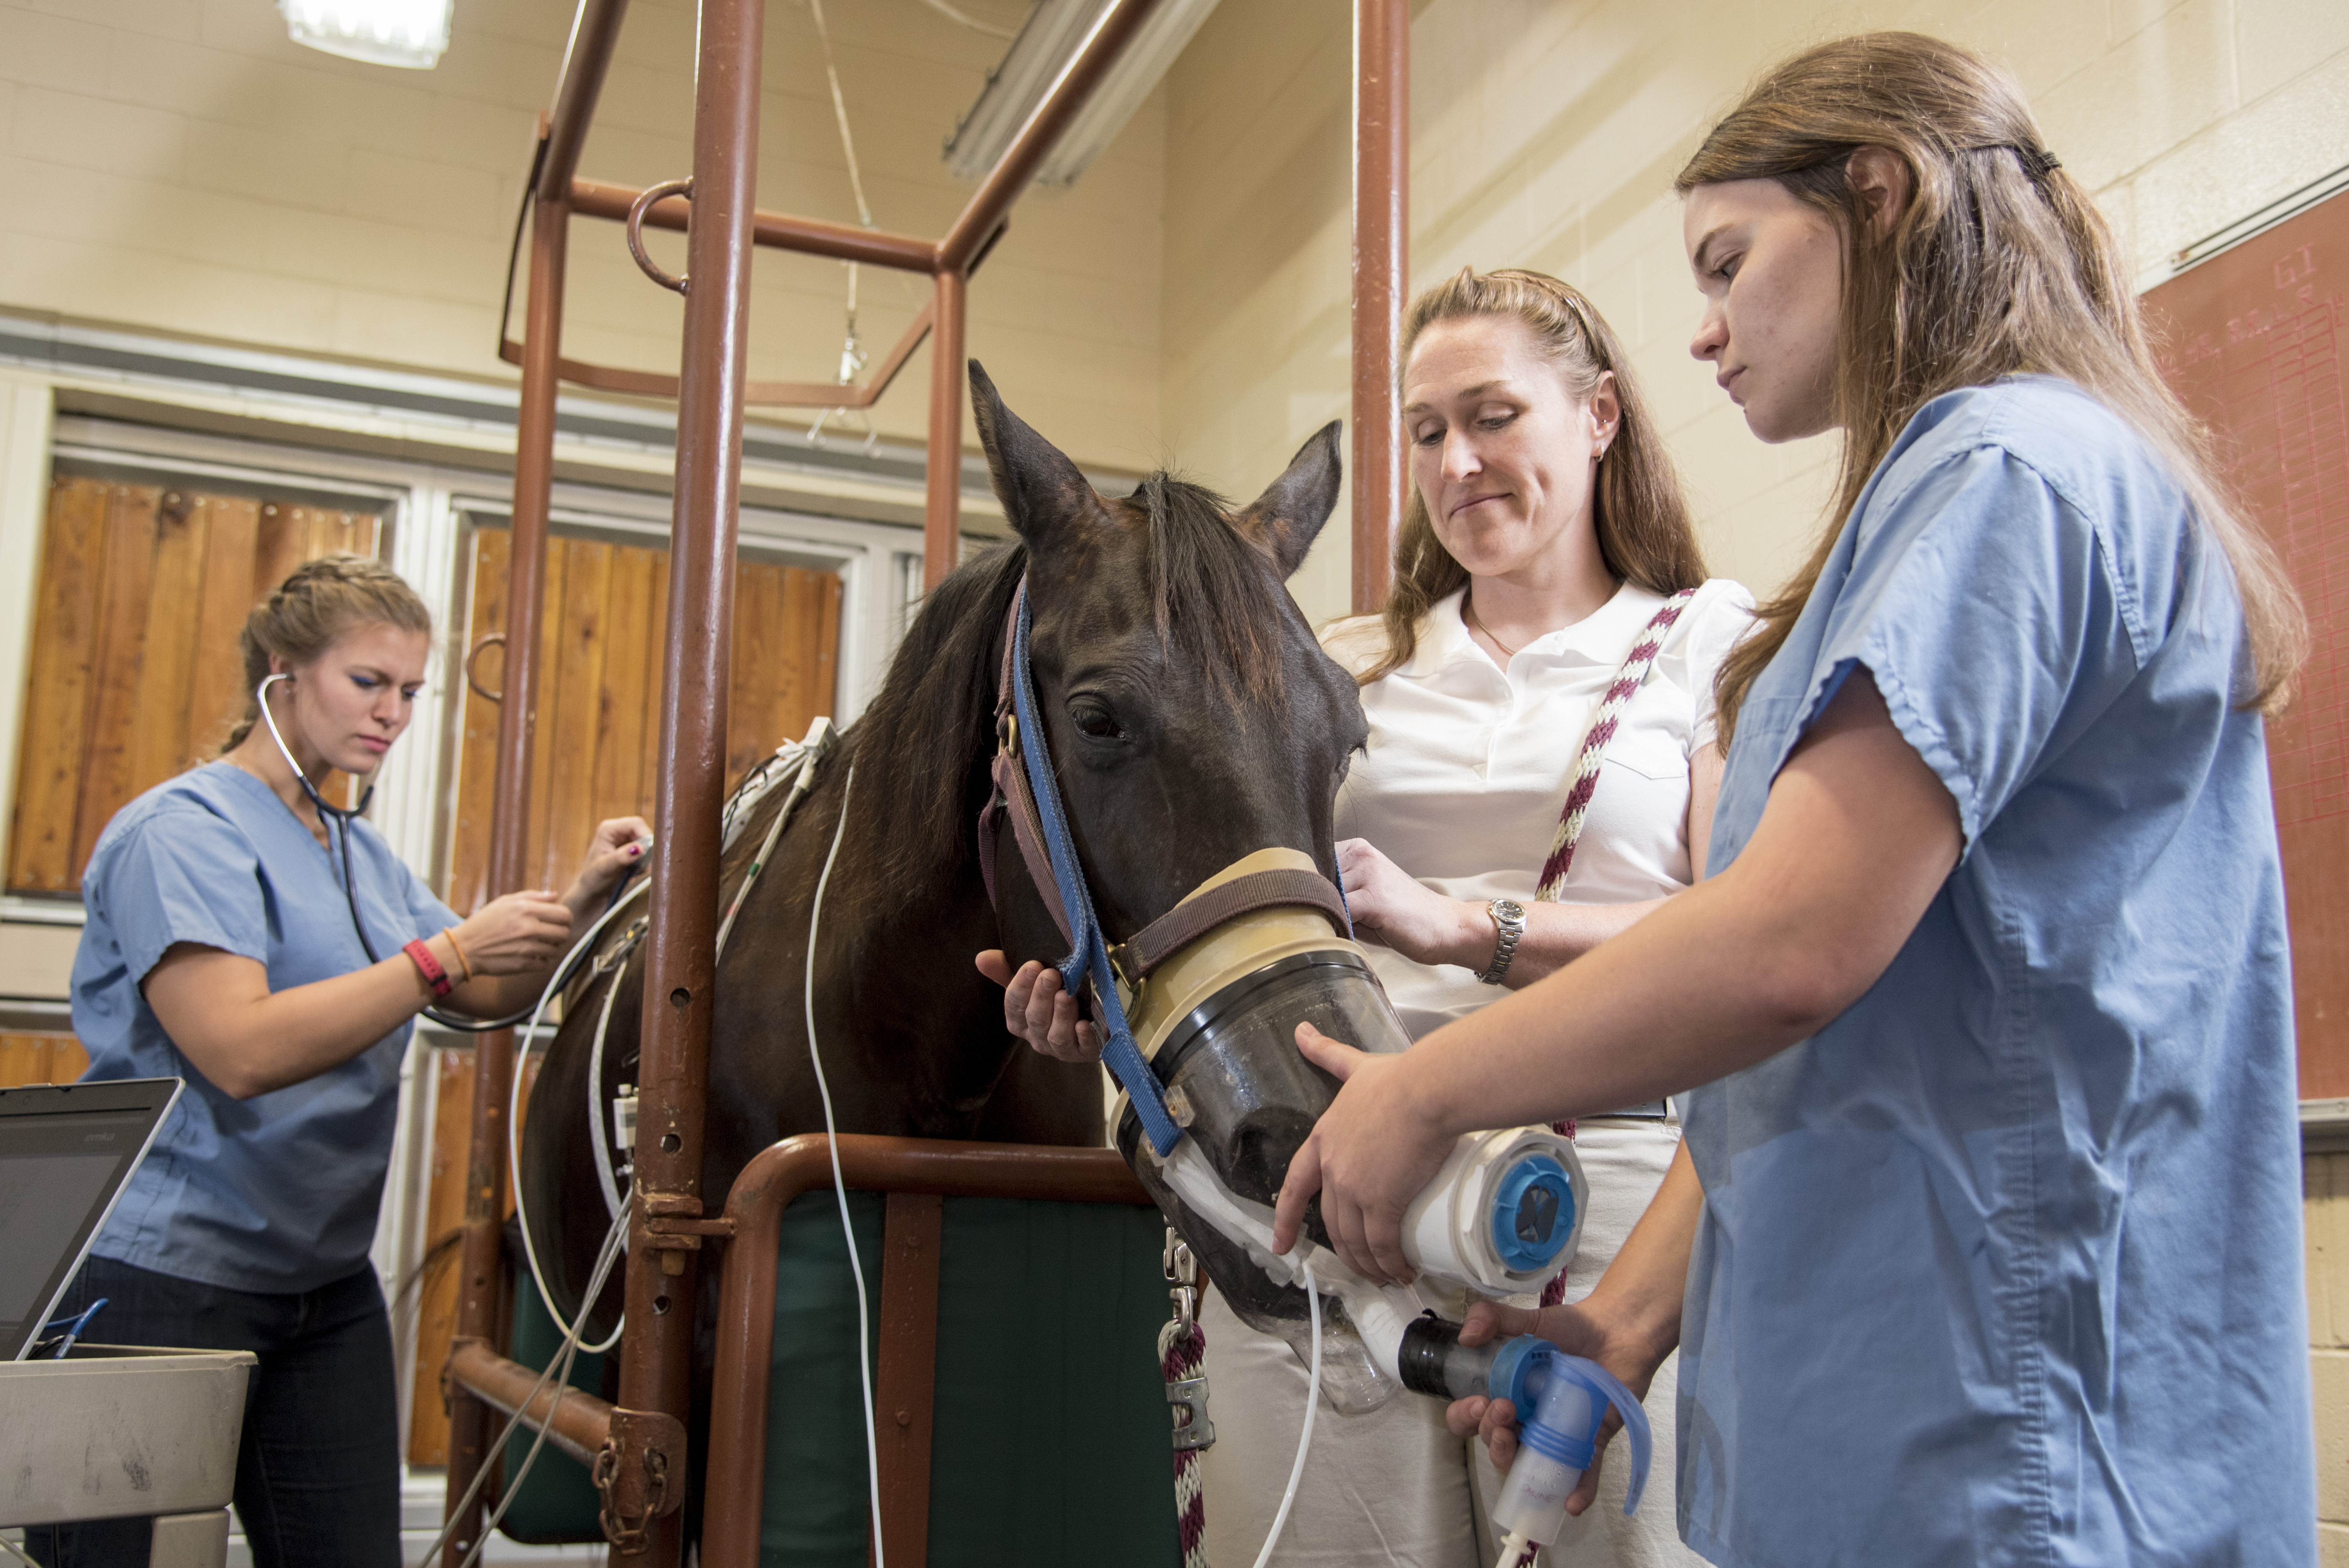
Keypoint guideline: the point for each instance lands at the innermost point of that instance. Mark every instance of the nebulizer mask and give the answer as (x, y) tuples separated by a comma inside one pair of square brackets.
[(1217, 1023)]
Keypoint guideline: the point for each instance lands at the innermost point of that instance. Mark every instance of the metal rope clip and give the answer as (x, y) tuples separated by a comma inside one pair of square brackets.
[(1182, 1270)]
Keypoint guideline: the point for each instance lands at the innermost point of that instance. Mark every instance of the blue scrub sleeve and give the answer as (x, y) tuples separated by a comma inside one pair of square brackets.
[(1983, 604), (183, 875), (428, 914)]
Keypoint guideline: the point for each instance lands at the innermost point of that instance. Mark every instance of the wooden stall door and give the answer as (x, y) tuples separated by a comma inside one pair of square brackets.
[(594, 746), (593, 750), (46, 1055), (134, 673), (2251, 340)]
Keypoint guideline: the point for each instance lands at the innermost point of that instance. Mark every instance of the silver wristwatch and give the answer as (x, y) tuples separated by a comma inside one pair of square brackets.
[(1509, 927)]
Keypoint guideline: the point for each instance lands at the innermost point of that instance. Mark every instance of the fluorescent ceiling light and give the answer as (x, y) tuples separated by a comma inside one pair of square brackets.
[(408, 32), (1054, 33)]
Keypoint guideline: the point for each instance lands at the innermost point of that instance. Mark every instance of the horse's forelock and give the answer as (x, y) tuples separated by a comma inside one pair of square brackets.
[(1214, 595)]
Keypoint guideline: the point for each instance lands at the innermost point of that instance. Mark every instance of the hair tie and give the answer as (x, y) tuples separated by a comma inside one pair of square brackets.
[(2037, 162)]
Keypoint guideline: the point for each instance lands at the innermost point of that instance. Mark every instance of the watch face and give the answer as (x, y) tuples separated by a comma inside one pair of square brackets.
[(1508, 908)]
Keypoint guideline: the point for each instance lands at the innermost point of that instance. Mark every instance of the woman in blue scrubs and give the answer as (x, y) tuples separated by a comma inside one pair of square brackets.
[(1984, 1242), (221, 949)]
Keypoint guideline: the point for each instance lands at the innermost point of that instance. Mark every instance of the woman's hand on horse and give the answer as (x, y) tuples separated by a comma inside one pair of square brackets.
[(520, 934), (1037, 1011), (617, 846), (1407, 915), (1572, 1329), (1369, 1156)]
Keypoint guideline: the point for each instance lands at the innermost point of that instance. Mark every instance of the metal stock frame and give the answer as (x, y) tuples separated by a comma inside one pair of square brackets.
[(637, 1448)]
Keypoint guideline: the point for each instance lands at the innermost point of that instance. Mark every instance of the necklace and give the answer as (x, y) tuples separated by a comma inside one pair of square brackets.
[(1469, 605)]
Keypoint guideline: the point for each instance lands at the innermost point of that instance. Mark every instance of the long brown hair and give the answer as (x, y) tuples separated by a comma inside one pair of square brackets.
[(1999, 264), (1645, 533), (318, 603)]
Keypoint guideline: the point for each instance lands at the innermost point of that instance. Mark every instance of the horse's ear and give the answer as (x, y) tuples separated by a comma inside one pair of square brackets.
[(1039, 487), (1283, 521)]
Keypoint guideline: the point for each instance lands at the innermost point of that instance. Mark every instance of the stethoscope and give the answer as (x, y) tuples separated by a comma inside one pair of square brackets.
[(341, 816)]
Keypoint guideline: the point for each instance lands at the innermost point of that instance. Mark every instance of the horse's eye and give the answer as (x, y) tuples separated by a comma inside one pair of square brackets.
[(1097, 723)]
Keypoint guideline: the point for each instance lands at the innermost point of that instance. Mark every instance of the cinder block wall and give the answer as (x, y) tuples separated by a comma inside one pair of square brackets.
[(2325, 1184), (179, 164), (1545, 133)]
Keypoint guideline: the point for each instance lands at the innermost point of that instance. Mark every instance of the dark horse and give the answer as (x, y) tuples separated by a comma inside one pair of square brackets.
[(1192, 720)]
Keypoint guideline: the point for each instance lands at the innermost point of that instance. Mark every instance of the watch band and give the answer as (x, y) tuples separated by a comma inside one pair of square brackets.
[(428, 966), (1508, 927)]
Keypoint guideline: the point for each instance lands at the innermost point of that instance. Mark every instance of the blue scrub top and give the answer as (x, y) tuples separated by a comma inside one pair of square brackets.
[(2004, 1265), (278, 1192)]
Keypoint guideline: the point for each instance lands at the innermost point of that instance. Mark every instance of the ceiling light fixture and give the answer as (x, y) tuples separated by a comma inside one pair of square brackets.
[(1048, 40), (407, 32)]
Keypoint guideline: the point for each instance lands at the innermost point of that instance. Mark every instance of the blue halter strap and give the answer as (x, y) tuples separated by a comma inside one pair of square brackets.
[(1088, 958)]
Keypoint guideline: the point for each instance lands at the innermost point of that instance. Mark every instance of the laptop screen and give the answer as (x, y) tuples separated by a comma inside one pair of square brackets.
[(66, 1151)]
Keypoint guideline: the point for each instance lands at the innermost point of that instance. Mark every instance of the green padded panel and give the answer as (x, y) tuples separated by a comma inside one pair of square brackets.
[(1051, 1441), (557, 1503)]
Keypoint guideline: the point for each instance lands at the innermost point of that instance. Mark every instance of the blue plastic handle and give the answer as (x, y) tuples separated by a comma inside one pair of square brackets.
[(1522, 1374)]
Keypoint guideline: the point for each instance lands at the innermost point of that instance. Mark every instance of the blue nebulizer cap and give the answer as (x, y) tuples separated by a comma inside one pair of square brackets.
[(1561, 1402)]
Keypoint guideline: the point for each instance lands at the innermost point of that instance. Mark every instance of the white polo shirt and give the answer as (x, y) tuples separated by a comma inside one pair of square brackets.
[(1464, 771)]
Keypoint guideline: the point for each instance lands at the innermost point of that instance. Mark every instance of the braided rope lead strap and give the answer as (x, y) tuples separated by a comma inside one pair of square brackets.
[(1582, 779), (1582, 783), (1181, 1355)]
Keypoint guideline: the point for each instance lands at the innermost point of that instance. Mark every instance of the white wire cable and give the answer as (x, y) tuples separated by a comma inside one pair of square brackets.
[(611, 1250), (1305, 1438), (839, 1186), (973, 23), (513, 1127)]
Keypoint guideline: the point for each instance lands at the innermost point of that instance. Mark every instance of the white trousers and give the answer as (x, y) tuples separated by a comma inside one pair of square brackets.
[(1395, 1487)]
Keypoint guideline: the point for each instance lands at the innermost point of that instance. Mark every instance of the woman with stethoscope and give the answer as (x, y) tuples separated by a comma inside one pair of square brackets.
[(269, 949)]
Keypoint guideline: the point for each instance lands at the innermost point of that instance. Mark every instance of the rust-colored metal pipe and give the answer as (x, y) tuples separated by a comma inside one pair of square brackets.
[(734, 1498), (594, 32), (809, 236), (580, 1425), (656, 1353), (942, 498), (586, 59), (1381, 274), (481, 1270), (990, 204)]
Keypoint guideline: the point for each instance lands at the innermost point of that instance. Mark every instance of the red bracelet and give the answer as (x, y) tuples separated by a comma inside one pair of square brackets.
[(428, 966)]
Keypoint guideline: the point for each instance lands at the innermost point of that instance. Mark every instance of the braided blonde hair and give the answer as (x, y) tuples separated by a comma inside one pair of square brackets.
[(320, 602)]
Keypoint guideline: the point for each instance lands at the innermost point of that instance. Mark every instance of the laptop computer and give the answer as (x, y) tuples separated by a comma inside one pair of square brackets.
[(67, 1150)]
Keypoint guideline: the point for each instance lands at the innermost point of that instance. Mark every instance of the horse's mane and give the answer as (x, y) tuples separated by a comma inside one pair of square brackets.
[(922, 740)]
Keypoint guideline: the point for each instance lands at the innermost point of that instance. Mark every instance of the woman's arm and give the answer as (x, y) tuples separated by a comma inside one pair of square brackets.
[(247, 1039), (1427, 927), (618, 846), (218, 1008), (1855, 840)]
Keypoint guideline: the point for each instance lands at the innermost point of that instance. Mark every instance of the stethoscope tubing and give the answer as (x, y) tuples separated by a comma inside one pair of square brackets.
[(341, 816)]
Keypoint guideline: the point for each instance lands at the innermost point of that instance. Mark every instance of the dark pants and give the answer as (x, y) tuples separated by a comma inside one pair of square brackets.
[(318, 1471)]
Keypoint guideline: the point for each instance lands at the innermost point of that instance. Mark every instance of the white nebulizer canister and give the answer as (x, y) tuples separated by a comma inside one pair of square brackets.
[(1561, 1400)]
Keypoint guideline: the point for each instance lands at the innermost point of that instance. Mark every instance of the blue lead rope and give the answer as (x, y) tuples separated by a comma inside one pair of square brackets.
[(1088, 958)]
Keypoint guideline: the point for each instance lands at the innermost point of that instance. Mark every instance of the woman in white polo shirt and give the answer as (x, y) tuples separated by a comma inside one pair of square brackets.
[(1545, 541)]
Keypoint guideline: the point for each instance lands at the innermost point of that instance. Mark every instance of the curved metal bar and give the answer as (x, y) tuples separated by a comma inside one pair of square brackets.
[(484, 693), (636, 228), (736, 1487)]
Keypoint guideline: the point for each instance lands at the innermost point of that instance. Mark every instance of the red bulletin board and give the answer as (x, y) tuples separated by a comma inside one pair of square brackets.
[(2251, 339)]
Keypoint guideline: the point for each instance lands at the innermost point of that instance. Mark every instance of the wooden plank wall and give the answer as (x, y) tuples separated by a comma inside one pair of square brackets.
[(45, 1057), (594, 747), (134, 672), (595, 752)]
